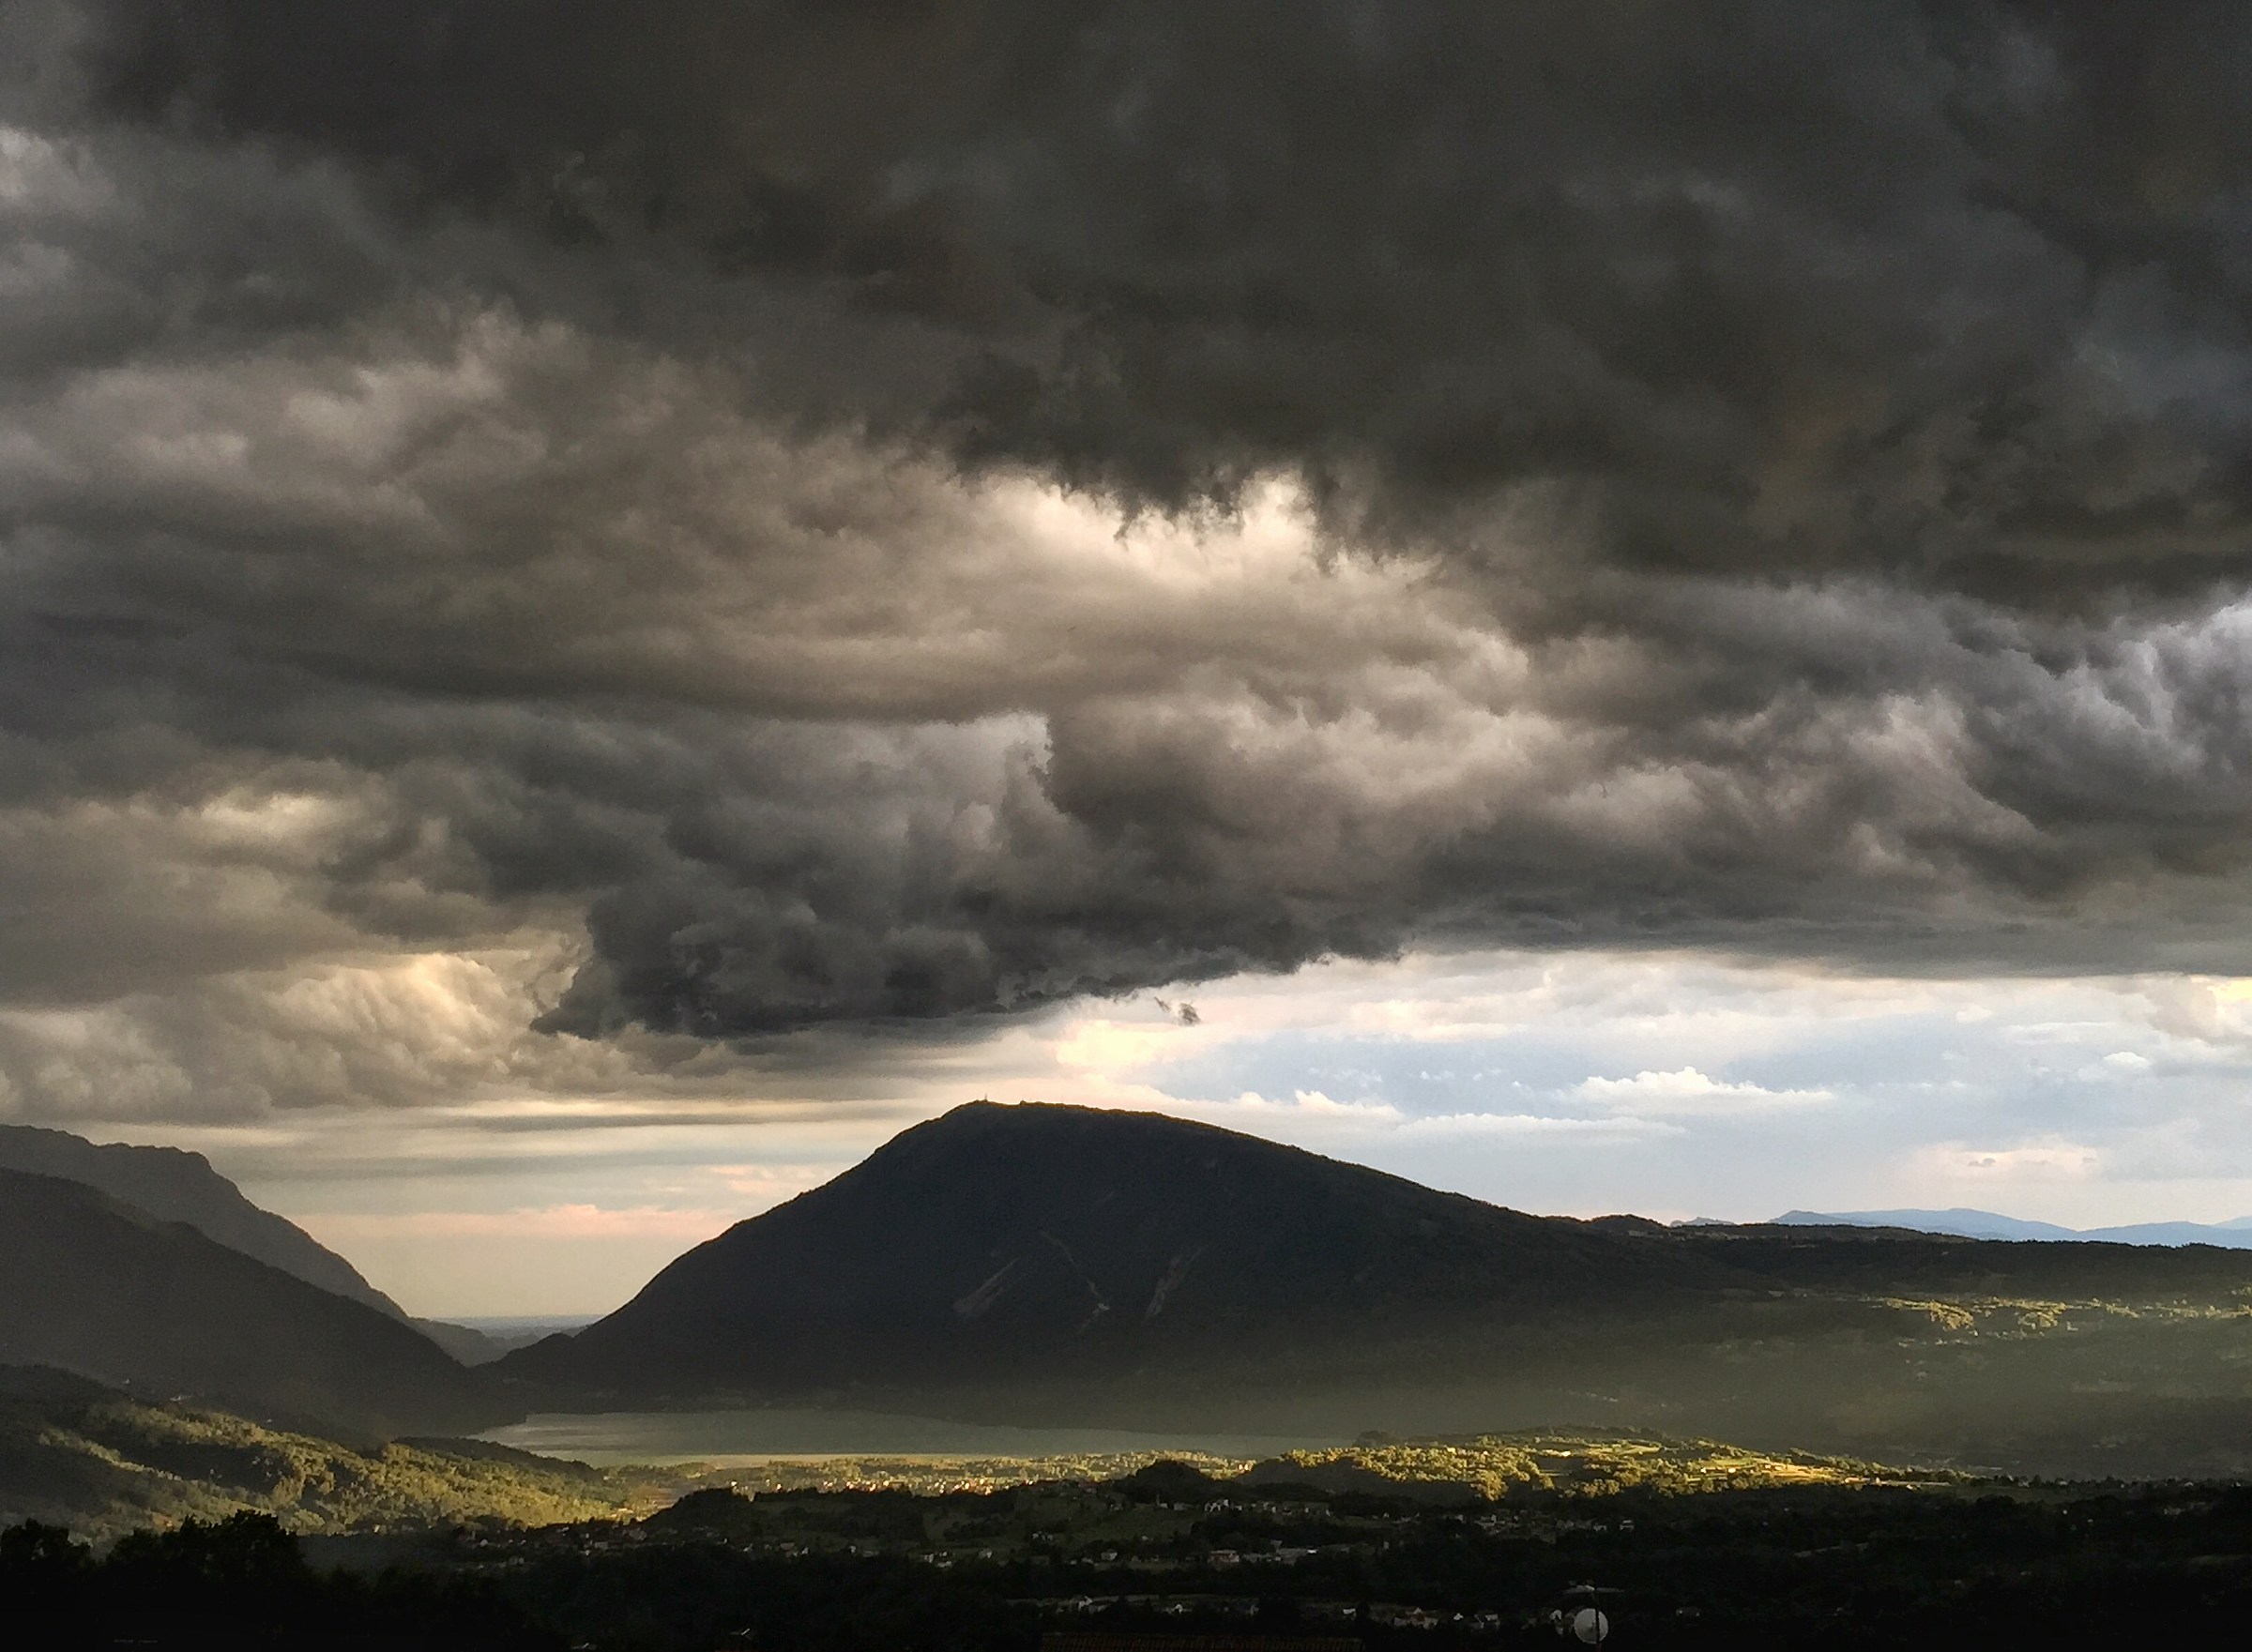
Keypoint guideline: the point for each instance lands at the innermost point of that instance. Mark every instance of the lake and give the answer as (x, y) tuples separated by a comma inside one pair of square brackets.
[(726, 1438)]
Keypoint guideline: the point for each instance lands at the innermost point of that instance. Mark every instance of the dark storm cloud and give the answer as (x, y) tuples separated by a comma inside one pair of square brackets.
[(477, 470), (1951, 293)]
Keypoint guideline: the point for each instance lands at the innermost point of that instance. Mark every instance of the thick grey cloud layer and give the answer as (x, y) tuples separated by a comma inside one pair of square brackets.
[(1759, 476), (1952, 292)]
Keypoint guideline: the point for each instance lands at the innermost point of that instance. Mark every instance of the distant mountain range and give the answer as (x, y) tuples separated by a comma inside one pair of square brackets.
[(1985, 1225), (1055, 1263)]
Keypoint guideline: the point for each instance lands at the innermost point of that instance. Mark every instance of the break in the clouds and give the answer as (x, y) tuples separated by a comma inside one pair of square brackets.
[(541, 542)]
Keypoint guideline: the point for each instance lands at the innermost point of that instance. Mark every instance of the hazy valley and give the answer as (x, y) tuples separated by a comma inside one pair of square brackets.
[(1045, 1268), (1075, 1362)]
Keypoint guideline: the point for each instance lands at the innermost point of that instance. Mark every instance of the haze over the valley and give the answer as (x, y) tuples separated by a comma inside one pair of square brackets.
[(600, 608)]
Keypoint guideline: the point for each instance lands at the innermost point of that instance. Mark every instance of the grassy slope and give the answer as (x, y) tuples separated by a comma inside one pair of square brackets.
[(75, 1455)]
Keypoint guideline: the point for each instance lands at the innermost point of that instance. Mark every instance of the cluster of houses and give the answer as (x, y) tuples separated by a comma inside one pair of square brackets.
[(1388, 1614)]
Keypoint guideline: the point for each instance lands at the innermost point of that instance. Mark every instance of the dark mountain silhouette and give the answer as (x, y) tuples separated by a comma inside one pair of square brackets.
[(1006, 1240), (1059, 1263), (91, 1284), (173, 1184)]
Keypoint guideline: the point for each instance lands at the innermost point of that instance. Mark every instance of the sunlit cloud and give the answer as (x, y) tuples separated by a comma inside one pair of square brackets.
[(1688, 1091)]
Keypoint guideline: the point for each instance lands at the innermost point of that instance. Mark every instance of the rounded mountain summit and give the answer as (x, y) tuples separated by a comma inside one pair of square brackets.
[(1001, 1243), (1075, 1264)]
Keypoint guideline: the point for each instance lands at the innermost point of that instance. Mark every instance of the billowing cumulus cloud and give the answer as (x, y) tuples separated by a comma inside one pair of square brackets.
[(537, 543)]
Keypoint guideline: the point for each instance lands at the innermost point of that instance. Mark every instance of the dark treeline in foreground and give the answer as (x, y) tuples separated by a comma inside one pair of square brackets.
[(240, 1581), (843, 1572)]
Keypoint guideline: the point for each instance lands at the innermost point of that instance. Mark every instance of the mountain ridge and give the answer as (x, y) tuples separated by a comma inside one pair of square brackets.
[(173, 1184), (91, 1284), (1083, 1265), (1060, 1232)]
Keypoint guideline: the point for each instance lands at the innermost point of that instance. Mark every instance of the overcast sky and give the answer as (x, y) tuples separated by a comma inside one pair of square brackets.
[(1614, 604)]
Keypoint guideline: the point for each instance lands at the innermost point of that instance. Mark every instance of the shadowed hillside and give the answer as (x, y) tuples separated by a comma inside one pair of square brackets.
[(93, 1285), (1070, 1264), (1069, 1241), (175, 1185)]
